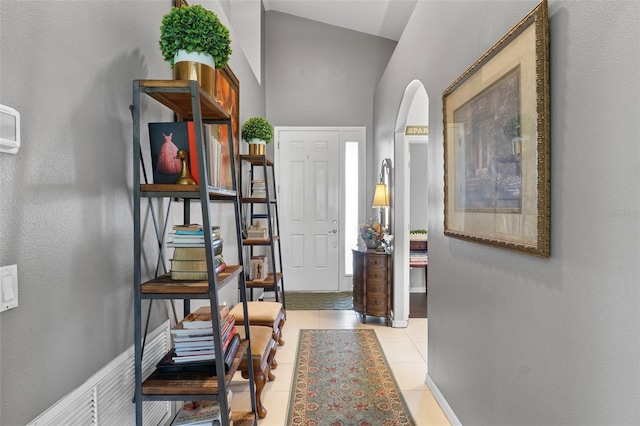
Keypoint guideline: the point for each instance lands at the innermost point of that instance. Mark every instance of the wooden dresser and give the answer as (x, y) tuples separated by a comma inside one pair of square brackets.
[(372, 284)]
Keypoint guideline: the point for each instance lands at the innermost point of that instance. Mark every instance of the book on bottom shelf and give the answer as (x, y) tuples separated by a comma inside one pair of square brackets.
[(167, 366), (196, 413), (200, 350)]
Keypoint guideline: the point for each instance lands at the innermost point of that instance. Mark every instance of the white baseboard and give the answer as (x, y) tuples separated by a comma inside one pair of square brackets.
[(446, 409), (399, 324)]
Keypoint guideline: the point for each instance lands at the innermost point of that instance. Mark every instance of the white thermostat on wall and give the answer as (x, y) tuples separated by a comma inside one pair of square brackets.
[(9, 130)]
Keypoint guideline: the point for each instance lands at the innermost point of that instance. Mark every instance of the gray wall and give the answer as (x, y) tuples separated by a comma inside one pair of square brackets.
[(322, 75), (514, 339), (65, 205)]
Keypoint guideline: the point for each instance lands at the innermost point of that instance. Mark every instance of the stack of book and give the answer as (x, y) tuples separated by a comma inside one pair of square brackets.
[(191, 235), (193, 345), (193, 336), (189, 257), (190, 263), (258, 189), (418, 257), (196, 413)]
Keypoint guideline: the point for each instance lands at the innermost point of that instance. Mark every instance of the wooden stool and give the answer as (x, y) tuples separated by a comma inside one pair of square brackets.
[(267, 314), (263, 351)]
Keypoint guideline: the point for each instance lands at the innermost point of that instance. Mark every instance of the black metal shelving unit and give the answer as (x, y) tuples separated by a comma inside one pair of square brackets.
[(189, 102), (275, 280)]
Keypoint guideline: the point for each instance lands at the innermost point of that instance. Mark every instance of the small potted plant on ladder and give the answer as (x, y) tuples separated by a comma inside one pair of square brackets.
[(258, 132)]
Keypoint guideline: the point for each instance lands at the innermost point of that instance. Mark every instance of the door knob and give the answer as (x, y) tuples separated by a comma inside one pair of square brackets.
[(333, 231)]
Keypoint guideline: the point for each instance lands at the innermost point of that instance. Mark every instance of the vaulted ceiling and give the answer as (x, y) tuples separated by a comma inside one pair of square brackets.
[(383, 18)]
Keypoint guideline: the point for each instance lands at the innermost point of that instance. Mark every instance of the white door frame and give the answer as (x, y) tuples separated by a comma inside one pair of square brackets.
[(402, 209), (347, 134)]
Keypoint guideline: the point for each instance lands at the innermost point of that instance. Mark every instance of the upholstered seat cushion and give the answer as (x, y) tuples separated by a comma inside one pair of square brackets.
[(268, 314), (260, 339), (259, 312)]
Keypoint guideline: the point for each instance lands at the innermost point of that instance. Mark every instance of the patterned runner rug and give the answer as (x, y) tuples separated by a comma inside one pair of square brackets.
[(310, 301), (343, 379)]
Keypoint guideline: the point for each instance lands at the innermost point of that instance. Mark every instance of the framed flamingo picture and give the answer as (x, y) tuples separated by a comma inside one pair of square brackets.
[(166, 139)]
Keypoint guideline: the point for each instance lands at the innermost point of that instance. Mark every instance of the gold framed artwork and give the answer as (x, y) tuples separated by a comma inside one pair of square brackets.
[(496, 143), (227, 94)]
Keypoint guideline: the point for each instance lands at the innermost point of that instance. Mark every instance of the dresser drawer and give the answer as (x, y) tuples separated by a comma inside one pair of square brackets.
[(376, 261), (377, 287), (377, 274)]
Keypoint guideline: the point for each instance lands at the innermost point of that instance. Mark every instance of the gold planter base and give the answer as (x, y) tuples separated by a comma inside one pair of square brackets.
[(203, 74), (257, 149)]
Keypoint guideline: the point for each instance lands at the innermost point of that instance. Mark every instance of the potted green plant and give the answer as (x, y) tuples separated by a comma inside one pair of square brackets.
[(418, 234), (258, 132), (195, 43)]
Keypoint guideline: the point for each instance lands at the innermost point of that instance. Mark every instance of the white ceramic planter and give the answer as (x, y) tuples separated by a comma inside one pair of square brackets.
[(203, 58)]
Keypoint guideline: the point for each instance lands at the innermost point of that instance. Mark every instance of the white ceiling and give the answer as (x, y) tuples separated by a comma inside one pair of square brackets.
[(383, 18)]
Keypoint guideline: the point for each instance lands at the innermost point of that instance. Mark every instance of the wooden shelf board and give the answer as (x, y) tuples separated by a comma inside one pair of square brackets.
[(165, 285), (259, 241), (184, 191), (256, 200), (268, 282), (256, 160), (191, 384), (180, 101)]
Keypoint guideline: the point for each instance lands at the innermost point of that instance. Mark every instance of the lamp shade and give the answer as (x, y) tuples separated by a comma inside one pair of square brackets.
[(381, 196)]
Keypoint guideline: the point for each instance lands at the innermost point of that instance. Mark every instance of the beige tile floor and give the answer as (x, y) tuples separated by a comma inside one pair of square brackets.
[(404, 348)]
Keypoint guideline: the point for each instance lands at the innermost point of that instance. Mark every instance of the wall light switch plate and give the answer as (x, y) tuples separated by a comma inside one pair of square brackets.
[(8, 287)]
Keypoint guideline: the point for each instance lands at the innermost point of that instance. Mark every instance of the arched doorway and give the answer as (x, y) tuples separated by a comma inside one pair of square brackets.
[(413, 111)]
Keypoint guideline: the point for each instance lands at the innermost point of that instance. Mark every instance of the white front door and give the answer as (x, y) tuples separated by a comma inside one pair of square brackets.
[(309, 204)]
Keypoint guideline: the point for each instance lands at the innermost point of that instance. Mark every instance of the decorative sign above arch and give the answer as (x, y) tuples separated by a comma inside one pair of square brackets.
[(416, 130)]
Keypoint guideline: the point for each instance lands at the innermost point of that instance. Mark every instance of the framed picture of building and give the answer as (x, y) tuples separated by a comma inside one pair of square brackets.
[(496, 137), (227, 90)]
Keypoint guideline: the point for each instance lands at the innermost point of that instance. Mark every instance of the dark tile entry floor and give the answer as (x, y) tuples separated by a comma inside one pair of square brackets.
[(344, 301), (417, 305)]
